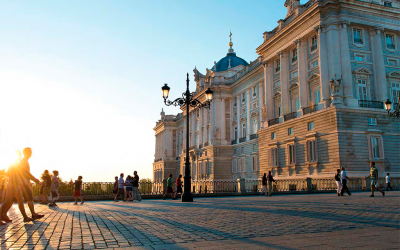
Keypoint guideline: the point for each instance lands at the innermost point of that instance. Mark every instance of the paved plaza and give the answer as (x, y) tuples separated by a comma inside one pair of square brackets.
[(319, 221)]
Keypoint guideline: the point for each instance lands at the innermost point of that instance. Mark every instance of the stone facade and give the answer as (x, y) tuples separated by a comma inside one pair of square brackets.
[(311, 102)]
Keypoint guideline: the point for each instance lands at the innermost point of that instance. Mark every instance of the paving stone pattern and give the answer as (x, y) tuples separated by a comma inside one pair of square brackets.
[(106, 224)]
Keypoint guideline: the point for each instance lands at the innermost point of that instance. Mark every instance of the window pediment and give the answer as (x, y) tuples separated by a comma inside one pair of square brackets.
[(313, 77), (293, 86), (363, 71), (394, 74)]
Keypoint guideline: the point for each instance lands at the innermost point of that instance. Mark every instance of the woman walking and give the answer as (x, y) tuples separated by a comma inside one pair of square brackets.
[(55, 184), (338, 184), (128, 189)]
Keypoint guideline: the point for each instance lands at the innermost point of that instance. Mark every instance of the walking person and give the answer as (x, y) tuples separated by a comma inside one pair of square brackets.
[(121, 187), (170, 190), (179, 185), (55, 184), (78, 190), (388, 182), (264, 185), (13, 191), (135, 187), (26, 182), (270, 180), (374, 179), (338, 182), (46, 186), (344, 178), (115, 189), (128, 188)]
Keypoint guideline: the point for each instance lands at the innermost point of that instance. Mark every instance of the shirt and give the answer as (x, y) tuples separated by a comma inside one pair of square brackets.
[(55, 182), (387, 179), (337, 177), (47, 180), (24, 166), (178, 182), (270, 178), (78, 185), (121, 182), (135, 182), (264, 181), (373, 172), (116, 184), (169, 182), (343, 175), (13, 175)]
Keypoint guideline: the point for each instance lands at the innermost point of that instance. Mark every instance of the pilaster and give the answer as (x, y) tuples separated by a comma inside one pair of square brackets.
[(248, 114), (323, 67), (347, 82), (302, 72), (285, 82), (381, 84)]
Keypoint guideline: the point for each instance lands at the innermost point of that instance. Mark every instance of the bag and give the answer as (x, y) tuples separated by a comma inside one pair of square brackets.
[(377, 184)]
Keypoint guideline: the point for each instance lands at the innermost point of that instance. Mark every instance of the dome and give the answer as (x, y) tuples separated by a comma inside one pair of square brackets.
[(229, 61)]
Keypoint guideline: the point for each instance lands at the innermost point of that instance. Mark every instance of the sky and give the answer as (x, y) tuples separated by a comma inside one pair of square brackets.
[(80, 81)]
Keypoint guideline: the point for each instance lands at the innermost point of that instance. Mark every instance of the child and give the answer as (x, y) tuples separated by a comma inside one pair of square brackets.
[(78, 190), (55, 184)]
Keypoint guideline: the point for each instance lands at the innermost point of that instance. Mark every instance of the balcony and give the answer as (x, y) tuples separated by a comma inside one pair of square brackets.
[(310, 109), (243, 139), (314, 47), (205, 144), (233, 142), (253, 136), (370, 104), (294, 59), (358, 40), (390, 46), (290, 116), (273, 122)]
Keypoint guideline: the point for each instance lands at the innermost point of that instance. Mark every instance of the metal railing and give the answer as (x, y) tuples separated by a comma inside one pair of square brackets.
[(253, 136), (289, 116), (273, 121), (294, 59), (233, 142), (370, 104), (358, 40), (202, 187), (243, 139), (309, 110), (314, 47)]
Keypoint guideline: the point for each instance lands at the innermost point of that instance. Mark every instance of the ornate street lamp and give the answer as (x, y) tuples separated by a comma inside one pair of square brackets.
[(396, 112), (187, 100)]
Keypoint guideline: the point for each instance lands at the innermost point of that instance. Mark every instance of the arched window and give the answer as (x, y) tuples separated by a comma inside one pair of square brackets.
[(255, 125), (236, 133), (243, 130)]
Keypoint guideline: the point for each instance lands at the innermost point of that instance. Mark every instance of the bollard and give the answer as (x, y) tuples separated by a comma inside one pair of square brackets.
[(242, 185)]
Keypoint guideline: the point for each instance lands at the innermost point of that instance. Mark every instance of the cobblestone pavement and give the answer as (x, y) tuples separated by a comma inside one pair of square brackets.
[(155, 223)]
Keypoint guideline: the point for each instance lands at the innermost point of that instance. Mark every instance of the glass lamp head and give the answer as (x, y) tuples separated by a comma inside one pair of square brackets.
[(165, 91), (388, 105), (209, 94)]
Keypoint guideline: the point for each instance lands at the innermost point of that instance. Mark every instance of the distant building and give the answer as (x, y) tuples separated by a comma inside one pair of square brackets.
[(311, 102)]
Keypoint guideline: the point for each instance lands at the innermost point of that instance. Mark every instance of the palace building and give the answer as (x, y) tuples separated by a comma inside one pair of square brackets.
[(311, 102)]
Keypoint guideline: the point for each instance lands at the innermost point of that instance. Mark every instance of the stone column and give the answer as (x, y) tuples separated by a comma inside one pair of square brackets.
[(380, 71), (239, 133), (248, 115), (193, 127), (323, 67), (260, 105), (223, 122), (201, 110), (232, 130), (303, 73), (347, 81), (285, 95), (269, 89), (212, 120)]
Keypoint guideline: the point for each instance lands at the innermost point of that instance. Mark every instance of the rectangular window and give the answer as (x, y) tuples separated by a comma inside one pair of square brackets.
[(311, 151), (290, 131), (273, 136), (254, 163), (243, 98), (291, 154), (243, 164), (362, 89), (295, 74), (234, 168), (314, 64), (254, 91), (359, 58), (314, 43), (317, 95), (372, 122), (387, 4), (392, 62), (310, 126), (390, 44), (395, 93), (357, 36), (278, 83), (375, 147), (294, 55), (273, 157), (278, 65)]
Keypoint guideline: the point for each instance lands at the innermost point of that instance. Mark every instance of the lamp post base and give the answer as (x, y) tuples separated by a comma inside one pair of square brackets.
[(187, 197)]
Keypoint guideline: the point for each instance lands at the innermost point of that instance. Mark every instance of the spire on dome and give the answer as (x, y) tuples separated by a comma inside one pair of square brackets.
[(230, 50)]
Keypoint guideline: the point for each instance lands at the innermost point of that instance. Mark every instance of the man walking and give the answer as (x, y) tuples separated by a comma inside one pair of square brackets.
[(264, 185), (388, 183), (270, 180), (344, 178), (374, 179), (179, 185), (26, 182), (338, 183), (121, 186), (135, 187), (115, 189)]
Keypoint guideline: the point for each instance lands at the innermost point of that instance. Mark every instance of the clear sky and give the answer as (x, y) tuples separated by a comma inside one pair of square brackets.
[(80, 81)]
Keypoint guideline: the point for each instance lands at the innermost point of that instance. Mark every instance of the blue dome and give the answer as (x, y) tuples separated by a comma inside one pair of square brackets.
[(224, 63)]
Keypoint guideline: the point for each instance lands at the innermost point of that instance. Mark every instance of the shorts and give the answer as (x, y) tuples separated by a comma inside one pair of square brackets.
[(179, 189), (27, 193), (115, 191), (170, 190), (128, 189), (373, 182), (77, 193)]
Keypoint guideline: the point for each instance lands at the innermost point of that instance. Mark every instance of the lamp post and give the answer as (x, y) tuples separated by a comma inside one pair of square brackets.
[(187, 100), (396, 112)]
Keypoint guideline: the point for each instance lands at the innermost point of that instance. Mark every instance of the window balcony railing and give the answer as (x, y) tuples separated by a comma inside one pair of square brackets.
[(358, 40), (277, 68), (273, 121), (314, 47), (395, 106), (233, 142), (253, 136), (390, 46), (294, 59), (201, 145), (289, 116), (310, 109), (370, 104), (205, 144), (243, 139)]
